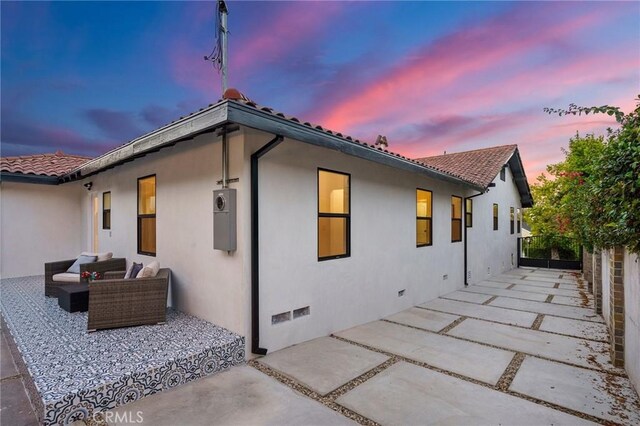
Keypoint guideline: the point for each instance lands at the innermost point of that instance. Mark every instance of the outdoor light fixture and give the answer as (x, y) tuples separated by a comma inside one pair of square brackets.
[(88, 185)]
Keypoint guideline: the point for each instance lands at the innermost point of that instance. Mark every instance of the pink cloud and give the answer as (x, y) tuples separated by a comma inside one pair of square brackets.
[(445, 63), (270, 40)]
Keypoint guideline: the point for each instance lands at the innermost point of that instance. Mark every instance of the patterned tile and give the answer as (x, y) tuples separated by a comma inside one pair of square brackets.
[(77, 373)]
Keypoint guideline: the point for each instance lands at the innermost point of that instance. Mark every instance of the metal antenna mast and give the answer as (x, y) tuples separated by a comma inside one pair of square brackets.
[(220, 56), (224, 54)]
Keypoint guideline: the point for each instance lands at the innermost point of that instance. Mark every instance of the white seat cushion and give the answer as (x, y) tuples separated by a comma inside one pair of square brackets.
[(100, 256), (66, 277)]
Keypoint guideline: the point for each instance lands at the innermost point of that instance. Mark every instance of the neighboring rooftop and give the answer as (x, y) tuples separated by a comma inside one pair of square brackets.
[(51, 165)]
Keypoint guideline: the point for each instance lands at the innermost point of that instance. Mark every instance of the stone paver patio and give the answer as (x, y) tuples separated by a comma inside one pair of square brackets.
[(523, 348)]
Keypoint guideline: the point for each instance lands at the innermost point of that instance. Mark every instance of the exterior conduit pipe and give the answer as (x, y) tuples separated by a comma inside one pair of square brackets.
[(255, 247), (466, 274)]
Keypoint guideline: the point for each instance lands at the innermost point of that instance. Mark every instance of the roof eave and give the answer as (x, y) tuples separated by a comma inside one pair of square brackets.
[(189, 127), (254, 118), (517, 169), (29, 178)]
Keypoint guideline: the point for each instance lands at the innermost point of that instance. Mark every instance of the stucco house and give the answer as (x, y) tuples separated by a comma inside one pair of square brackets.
[(277, 229)]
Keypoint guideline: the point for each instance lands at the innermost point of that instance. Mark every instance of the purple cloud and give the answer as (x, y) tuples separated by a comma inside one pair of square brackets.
[(118, 125)]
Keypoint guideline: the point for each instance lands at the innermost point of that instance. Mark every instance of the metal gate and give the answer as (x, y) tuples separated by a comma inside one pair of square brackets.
[(553, 253)]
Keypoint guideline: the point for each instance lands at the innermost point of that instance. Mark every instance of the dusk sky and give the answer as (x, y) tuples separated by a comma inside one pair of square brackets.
[(84, 77)]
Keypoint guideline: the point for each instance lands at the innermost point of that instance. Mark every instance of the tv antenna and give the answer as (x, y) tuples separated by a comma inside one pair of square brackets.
[(219, 55)]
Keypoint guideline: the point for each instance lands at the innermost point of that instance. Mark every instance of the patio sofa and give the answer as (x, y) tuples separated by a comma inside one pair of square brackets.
[(117, 302), (62, 278)]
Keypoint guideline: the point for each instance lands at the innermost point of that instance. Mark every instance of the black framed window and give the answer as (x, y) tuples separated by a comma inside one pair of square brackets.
[(495, 217), (456, 219), (468, 212), (106, 210), (518, 213), (147, 215), (512, 219), (334, 214), (424, 208), (503, 174)]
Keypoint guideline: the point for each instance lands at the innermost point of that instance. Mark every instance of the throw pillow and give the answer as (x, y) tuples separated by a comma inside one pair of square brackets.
[(100, 256), (135, 270), (151, 270), (81, 260)]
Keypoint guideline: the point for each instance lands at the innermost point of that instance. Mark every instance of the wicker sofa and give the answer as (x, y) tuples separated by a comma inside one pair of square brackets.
[(52, 268), (115, 302)]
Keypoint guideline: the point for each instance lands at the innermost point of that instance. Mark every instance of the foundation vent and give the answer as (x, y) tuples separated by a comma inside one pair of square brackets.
[(301, 312), (279, 318)]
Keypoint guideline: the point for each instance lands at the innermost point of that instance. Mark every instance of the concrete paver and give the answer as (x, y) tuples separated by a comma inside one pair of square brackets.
[(591, 392), (577, 328), (239, 396), (519, 281), (496, 284), (15, 407), (479, 288), (406, 394), (585, 314), (550, 279), (464, 296), (323, 364), (546, 290), (571, 301), (468, 359), (422, 318), (486, 312), (561, 348)]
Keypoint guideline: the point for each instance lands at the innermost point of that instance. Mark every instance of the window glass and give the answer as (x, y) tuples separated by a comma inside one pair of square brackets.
[(147, 215), (106, 210), (333, 215), (147, 195), (468, 213), (456, 218), (333, 192), (423, 217), (495, 217)]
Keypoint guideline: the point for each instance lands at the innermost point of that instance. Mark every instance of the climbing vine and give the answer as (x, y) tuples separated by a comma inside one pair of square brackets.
[(594, 194)]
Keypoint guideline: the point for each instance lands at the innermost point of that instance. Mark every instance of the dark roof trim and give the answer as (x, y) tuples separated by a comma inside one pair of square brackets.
[(186, 128), (257, 119), (230, 111), (517, 170), (28, 178)]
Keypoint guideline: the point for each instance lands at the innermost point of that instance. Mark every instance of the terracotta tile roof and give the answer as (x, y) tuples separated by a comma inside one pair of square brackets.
[(479, 166), (56, 164)]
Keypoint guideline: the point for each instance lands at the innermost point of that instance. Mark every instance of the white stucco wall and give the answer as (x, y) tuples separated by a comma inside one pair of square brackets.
[(606, 287), (492, 252), (38, 224), (632, 317), (207, 283), (384, 259)]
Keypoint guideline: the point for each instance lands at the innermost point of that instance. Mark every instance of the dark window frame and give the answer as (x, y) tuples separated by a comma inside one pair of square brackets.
[(518, 220), (106, 212), (145, 216), (496, 214), (503, 173), (512, 212), (456, 221), (468, 213), (346, 216), (427, 219)]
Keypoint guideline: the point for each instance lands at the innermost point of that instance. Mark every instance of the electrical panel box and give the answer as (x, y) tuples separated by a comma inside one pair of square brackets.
[(224, 219)]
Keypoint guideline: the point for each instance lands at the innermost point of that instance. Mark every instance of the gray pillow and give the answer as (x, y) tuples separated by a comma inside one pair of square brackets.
[(137, 267), (75, 268)]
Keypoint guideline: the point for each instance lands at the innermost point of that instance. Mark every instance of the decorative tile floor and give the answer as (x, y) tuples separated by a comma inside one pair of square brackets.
[(76, 373)]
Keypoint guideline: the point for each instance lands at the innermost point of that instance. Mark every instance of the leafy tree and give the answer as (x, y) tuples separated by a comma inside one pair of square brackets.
[(596, 190)]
